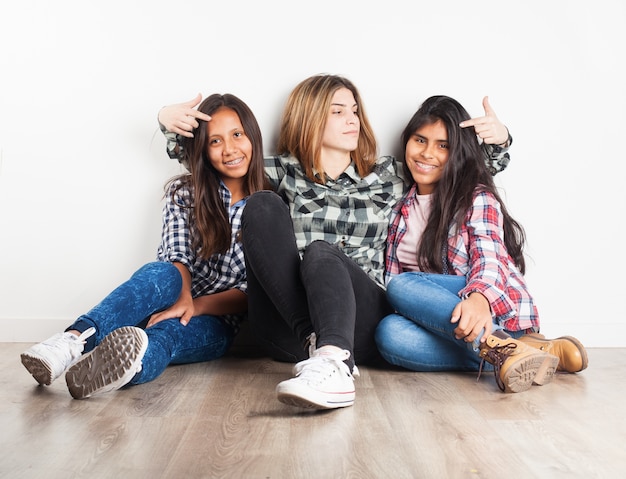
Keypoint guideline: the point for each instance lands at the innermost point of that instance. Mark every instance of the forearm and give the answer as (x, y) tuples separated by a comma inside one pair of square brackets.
[(186, 276)]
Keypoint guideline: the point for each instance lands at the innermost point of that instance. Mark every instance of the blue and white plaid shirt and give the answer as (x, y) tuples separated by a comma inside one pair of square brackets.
[(221, 272)]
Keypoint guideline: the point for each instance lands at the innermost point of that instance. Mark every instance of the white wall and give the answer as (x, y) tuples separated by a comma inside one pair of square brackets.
[(82, 163)]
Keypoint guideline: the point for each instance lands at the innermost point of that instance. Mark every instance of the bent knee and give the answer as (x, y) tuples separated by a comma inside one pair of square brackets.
[(261, 201), (388, 331), (157, 272), (321, 249)]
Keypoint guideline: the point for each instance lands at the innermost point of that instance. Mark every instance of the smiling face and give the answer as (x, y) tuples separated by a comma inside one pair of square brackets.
[(228, 147), (426, 155)]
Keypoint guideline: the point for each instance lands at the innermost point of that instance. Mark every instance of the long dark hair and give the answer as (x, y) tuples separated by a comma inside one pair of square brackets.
[(464, 174), (211, 232)]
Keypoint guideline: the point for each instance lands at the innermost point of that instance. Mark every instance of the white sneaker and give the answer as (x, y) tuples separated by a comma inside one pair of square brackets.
[(48, 360), (323, 381), (110, 366)]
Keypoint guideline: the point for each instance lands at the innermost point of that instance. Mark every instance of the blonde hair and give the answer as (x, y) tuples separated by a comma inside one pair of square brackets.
[(304, 118)]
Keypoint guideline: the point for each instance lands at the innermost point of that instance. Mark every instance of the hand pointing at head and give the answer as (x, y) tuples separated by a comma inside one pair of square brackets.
[(489, 127), (181, 118)]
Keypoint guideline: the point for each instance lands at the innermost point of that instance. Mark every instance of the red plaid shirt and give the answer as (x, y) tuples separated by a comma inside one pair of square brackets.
[(477, 252)]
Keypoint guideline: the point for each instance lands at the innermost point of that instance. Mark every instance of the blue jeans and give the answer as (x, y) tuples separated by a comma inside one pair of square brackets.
[(153, 288), (420, 336)]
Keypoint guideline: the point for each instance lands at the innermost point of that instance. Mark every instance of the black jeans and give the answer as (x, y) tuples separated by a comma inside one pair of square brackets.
[(289, 298)]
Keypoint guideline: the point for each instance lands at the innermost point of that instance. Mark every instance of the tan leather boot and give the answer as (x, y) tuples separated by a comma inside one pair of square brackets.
[(516, 365), (570, 351)]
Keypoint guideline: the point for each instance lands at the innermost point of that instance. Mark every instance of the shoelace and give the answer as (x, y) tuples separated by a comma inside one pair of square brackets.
[(317, 367), (497, 355), (74, 342), (312, 340), (87, 334)]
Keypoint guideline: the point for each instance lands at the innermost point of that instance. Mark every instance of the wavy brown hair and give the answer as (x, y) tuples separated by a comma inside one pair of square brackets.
[(211, 232), (304, 118)]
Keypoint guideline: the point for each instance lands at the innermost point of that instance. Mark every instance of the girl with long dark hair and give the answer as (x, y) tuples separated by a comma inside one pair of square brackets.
[(187, 306), (455, 265)]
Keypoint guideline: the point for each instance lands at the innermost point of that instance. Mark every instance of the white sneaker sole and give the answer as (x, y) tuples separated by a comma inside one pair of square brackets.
[(38, 367), (111, 365), (300, 395)]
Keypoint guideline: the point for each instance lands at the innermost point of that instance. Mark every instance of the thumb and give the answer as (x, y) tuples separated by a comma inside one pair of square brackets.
[(456, 314), (195, 101), (487, 107)]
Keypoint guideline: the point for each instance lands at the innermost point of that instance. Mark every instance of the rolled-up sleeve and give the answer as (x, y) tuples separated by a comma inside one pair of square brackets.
[(489, 273), (175, 235)]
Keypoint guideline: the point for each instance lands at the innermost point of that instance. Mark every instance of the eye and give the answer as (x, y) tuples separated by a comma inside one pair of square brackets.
[(238, 134), (444, 146), (214, 141)]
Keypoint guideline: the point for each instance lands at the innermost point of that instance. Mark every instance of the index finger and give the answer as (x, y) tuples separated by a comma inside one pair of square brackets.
[(473, 122), (199, 115)]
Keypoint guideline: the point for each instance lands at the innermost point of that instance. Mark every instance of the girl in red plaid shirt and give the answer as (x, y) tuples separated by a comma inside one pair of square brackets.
[(455, 263)]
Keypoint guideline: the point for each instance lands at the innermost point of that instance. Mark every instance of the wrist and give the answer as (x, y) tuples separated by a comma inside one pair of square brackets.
[(506, 142), (478, 296)]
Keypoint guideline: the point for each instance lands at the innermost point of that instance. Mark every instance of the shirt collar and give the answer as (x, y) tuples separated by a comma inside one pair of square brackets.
[(225, 194), (348, 177)]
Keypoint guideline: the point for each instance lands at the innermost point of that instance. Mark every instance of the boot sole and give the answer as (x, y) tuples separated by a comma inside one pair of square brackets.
[(111, 365), (547, 370), (521, 374)]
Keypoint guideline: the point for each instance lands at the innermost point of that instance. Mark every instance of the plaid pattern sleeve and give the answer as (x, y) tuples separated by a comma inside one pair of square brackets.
[(275, 170), (175, 244), (173, 146), (220, 272), (478, 252), (497, 157)]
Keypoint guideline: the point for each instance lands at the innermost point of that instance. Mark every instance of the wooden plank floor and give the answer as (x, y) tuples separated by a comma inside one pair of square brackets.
[(222, 420)]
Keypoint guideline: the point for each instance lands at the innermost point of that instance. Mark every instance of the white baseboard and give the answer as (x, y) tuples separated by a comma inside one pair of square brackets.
[(30, 330), (591, 335)]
